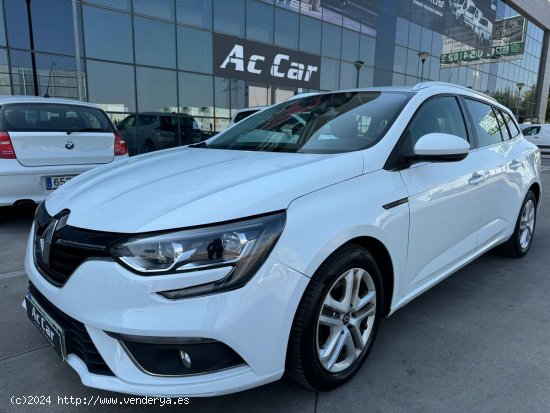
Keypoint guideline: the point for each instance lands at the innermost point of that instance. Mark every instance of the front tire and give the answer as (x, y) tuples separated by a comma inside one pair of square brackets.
[(337, 320), (520, 241)]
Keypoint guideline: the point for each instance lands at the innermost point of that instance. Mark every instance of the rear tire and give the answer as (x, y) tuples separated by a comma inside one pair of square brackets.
[(148, 146), (337, 320), (522, 238)]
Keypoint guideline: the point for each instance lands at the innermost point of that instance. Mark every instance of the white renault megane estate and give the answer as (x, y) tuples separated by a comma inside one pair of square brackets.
[(278, 245)]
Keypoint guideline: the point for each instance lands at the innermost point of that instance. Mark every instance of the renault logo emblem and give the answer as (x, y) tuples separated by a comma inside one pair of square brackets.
[(69, 145), (45, 240)]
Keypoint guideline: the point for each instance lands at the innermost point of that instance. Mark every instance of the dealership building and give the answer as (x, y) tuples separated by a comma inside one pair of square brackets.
[(171, 60)]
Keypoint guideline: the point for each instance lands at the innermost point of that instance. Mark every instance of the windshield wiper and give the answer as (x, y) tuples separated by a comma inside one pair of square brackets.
[(85, 130)]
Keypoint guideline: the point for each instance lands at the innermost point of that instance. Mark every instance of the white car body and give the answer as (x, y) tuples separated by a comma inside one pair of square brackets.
[(538, 134), (43, 153), (244, 113), (432, 219)]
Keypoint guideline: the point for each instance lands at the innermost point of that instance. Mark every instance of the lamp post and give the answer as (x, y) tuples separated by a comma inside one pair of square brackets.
[(358, 65), (423, 56), (31, 41), (520, 86)]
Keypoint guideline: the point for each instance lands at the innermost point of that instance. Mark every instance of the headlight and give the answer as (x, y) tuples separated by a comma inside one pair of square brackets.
[(242, 244)]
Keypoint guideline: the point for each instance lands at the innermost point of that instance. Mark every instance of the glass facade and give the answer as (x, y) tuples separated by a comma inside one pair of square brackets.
[(156, 56)]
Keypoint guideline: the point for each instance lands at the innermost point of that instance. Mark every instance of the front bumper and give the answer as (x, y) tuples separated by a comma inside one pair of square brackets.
[(254, 321)]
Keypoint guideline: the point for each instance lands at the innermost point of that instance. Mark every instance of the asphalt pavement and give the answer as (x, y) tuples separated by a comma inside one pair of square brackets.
[(477, 342)]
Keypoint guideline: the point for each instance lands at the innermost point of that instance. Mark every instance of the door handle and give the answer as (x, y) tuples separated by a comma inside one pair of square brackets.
[(476, 178), (515, 164)]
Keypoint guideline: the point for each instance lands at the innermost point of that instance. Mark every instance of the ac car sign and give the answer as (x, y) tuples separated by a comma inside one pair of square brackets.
[(244, 59)]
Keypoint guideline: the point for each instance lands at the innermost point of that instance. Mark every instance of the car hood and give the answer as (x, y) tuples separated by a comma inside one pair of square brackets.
[(194, 186)]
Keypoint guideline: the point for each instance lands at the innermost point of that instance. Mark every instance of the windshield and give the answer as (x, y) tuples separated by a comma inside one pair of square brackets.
[(327, 123)]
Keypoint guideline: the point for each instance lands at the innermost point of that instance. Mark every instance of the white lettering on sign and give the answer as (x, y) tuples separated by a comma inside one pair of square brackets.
[(296, 71), (252, 63), (236, 57)]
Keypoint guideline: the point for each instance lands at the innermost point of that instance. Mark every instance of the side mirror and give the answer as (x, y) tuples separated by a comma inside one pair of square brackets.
[(440, 147)]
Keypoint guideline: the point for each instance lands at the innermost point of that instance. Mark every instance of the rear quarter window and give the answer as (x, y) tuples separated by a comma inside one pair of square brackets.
[(39, 117)]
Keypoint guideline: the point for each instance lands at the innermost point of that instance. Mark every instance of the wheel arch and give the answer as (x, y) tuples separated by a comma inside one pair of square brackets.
[(535, 188), (384, 261)]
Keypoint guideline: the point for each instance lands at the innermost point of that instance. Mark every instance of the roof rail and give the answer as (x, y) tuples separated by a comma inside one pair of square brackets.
[(424, 85)]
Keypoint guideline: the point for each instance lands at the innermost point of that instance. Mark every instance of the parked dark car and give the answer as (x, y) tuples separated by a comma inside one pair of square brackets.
[(151, 131)]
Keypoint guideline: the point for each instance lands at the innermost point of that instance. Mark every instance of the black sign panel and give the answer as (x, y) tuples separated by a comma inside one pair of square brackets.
[(244, 59)]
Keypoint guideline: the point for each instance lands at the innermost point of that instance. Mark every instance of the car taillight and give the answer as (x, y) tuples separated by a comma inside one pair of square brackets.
[(120, 145), (6, 148)]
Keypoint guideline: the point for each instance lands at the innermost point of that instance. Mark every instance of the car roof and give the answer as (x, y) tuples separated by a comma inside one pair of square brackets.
[(5, 99), (435, 86)]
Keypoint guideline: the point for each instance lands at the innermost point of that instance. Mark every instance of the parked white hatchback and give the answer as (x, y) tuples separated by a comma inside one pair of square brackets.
[(538, 134), (279, 244), (45, 142)]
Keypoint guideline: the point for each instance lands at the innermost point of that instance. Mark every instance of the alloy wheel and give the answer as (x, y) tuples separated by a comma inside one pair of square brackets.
[(527, 224), (346, 320)]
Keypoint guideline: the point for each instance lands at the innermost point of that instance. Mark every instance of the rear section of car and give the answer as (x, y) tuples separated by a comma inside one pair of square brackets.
[(43, 144)]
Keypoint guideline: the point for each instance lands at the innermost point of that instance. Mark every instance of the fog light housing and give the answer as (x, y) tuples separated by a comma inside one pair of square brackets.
[(178, 356)]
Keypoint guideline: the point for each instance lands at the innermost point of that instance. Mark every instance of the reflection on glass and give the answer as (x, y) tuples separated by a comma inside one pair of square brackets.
[(367, 49), (310, 35), (229, 16), (238, 95), (5, 84), (259, 21), (332, 40), (487, 128), (196, 94), (222, 97), (61, 76), (117, 4), (155, 42), (163, 9), (2, 29), (52, 26), (348, 74), (156, 90), (286, 28), (350, 45), (195, 12), (330, 74), (111, 85), (194, 50), (114, 41)]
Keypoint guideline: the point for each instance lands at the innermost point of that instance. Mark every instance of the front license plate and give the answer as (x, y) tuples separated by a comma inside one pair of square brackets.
[(46, 325), (54, 182)]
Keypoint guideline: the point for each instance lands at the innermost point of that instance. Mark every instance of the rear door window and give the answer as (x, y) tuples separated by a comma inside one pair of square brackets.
[(502, 125), (512, 127), (484, 122), (38, 117)]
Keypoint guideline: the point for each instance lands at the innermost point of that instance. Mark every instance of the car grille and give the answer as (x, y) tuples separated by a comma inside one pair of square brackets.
[(77, 339), (68, 246)]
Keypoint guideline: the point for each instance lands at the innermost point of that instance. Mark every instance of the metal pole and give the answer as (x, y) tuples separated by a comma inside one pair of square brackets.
[(422, 72), (77, 52), (358, 65), (31, 40)]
